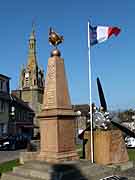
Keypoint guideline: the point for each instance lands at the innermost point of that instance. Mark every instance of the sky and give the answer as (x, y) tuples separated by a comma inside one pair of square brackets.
[(112, 61)]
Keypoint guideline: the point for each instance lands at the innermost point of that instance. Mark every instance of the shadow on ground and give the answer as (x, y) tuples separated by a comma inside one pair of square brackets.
[(66, 172)]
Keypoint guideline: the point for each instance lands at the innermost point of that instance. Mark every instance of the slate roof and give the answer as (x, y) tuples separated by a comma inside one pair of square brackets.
[(84, 108), (20, 102), (5, 77)]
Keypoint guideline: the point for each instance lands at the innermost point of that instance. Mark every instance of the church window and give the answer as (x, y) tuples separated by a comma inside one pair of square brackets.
[(31, 46), (27, 75), (27, 81)]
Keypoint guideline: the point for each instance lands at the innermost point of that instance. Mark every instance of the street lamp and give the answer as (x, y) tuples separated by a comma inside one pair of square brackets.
[(78, 113)]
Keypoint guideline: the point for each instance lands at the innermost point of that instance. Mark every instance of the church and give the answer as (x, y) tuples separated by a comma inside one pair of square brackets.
[(31, 82)]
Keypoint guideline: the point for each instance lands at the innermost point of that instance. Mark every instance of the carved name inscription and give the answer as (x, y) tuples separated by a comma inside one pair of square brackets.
[(51, 71), (50, 84), (50, 98)]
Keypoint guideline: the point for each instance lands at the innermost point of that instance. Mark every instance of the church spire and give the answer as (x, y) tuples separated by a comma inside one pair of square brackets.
[(32, 76), (32, 62)]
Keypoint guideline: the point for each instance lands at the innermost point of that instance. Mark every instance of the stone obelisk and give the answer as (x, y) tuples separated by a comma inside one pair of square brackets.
[(57, 119)]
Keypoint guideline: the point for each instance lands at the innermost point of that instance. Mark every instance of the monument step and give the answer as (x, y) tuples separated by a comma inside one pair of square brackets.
[(14, 176), (44, 166), (66, 170), (33, 173), (73, 170), (60, 172), (92, 171), (38, 165), (41, 165)]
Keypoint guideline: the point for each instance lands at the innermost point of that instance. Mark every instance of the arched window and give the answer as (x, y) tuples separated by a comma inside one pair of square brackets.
[(27, 79)]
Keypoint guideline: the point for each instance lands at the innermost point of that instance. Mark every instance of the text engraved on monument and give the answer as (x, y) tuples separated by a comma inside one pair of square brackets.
[(50, 84), (51, 72), (51, 97)]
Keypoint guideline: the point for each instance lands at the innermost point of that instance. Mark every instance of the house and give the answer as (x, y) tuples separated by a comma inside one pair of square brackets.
[(82, 119), (21, 117), (82, 112), (4, 104)]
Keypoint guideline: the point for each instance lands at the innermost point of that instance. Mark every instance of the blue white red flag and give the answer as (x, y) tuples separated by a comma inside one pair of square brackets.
[(100, 34)]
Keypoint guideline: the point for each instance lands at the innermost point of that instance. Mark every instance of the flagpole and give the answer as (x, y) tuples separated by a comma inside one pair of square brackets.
[(90, 97)]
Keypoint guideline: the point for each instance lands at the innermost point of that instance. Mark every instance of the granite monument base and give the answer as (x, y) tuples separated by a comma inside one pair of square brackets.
[(109, 147)]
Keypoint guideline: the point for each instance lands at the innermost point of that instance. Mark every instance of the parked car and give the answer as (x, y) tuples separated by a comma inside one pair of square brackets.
[(18, 142), (4, 143), (130, 142), (14, 142)]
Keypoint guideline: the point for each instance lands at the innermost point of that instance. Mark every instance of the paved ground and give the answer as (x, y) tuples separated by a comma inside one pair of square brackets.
[(129, 173), (9, 155)]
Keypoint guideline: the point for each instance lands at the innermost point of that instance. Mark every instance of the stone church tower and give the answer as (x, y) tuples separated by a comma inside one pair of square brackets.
[(31, 83)]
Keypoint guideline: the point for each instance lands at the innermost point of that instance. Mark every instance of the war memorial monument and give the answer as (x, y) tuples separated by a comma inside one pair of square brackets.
[(57, 158)]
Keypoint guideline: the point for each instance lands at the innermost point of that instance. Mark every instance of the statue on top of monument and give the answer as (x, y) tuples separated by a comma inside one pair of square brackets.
[(54, 38)]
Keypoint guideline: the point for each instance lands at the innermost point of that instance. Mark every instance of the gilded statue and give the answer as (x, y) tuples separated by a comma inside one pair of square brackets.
[(54, 38)]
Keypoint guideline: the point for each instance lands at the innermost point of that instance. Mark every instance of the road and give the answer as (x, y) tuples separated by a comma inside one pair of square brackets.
[(9, 155)]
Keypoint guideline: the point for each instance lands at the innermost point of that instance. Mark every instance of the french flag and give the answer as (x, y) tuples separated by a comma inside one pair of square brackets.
[(100, 34)]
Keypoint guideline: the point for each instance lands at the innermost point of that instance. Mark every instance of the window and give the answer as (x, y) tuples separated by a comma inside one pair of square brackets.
[(26, 82), (27, 79), (2, 106), (19, 115), (1, 85), (4, 129), (0, 130), (31, 46), (7, 86)]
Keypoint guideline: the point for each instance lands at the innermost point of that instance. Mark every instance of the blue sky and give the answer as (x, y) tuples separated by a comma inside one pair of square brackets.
[(112, 61)]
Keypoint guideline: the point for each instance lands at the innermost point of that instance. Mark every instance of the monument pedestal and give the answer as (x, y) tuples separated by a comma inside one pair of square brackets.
[(109, 147), (57, 119), (57, 137)]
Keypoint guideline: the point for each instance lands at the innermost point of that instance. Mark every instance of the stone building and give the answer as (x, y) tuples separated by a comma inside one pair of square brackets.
[(31, 83), (4, 104), (82, 111), (20, 118), (82, 118)]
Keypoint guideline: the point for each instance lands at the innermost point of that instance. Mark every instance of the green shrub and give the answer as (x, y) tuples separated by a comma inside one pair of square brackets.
[(131, 154)]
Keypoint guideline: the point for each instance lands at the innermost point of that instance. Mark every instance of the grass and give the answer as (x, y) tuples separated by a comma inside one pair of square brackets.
[(8, 166), (131, 154), (79, 148)]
